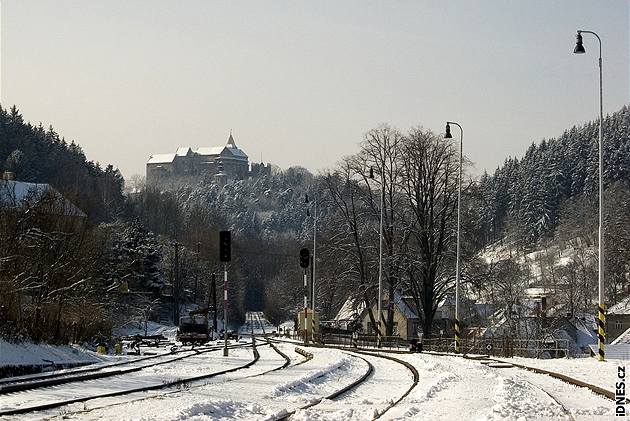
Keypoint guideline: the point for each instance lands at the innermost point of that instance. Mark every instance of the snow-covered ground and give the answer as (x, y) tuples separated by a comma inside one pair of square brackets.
[(588, 370), (456, 388), (449, 388), (31, 354)]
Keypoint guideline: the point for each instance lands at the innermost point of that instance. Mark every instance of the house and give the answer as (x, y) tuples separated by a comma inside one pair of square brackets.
[(618, 319), (40, 198), (349, 315), (406, 321)]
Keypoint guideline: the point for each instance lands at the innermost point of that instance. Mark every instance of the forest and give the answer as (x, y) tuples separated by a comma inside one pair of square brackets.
[(73, 279)]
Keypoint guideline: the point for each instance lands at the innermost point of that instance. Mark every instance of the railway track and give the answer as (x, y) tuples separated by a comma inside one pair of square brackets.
[(61, 373), (23, 409), (96, 373), (287, 362), (356, 384)]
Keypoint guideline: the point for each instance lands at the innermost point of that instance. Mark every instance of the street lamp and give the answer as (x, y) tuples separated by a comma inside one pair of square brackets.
[(380, 262), (601, 318), (314, 246), (448, 135)]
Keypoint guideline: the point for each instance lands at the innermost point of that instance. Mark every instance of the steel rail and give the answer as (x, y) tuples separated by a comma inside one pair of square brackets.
[(52, 405), (285, 365), (38, 384), (349, 387), (26, 378)]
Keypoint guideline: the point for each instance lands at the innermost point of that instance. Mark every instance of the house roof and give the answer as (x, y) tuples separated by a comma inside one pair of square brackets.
[(164, 158), (18, 194), (351, 309), (403, 305), (624, 338), (622, 307)]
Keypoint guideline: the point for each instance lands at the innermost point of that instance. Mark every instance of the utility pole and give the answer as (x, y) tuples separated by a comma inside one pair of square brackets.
[(196, 274), (225, 305), (176, 285), (225, 255), (213, 293), (304, 261)]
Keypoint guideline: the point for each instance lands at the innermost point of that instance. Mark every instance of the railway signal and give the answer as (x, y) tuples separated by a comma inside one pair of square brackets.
[(225, 246), (304, 258), (304, 261)]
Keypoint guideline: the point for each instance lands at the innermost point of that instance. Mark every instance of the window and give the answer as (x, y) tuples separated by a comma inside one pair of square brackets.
[(618, 325), (395, 329)]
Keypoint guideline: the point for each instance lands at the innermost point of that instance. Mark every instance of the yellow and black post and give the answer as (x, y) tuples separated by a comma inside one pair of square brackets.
[(601, 332), (457, 337)]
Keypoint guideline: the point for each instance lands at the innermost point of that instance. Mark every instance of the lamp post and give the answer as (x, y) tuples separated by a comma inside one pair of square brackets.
[(448, 135), (380, 262), (601, 318)]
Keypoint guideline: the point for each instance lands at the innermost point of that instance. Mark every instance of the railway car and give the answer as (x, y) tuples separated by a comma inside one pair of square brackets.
[(193, 330)]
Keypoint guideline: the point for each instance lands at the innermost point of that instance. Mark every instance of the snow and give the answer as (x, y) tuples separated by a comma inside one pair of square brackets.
[(624, 338), (19, 193), (350, 310), (164, 158), (589, 370), (622, 307), (29, 354), (449, 387)]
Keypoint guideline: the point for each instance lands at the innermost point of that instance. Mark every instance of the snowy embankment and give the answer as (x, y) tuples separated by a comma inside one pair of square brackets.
[(28, 357), (456, 388), (589, 370)]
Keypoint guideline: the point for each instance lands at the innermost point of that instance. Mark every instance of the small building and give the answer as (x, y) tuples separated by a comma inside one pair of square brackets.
[(618, 319), (406, 322), (41, 198)]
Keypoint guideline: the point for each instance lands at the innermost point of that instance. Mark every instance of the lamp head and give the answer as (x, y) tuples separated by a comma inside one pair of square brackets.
[(579, 47), (448, 134)]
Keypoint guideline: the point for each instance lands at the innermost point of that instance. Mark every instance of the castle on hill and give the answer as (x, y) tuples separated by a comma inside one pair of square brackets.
[(223, 163)]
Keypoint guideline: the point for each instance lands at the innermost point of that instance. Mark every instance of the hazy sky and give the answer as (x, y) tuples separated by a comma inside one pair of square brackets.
[(301, 81)]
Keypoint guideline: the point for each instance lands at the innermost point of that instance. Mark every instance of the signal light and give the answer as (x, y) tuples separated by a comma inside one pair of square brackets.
[(304, 258), (225, 246)]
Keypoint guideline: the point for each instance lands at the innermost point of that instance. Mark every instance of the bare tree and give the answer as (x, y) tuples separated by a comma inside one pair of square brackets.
[(430, 185)]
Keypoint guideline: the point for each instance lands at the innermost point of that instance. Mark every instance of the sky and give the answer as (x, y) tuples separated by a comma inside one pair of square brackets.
[(300, 82)]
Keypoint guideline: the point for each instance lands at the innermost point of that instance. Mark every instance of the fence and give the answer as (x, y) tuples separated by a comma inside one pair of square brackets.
[(363, 341), (503, 347)]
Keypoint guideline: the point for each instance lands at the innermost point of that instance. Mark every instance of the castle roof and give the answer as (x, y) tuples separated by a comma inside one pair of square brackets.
[(213, 150), (183, 151), (230, 148), (164, 158)]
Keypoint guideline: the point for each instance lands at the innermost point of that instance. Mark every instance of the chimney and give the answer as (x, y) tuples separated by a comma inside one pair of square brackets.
[(7, 176)]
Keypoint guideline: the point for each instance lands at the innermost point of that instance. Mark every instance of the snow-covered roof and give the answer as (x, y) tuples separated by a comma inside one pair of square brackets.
[(351, 309), (405, 309), (624, 338), (622, 307), (164, 158), (214, 150), (17, 194), (183, 151)]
